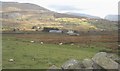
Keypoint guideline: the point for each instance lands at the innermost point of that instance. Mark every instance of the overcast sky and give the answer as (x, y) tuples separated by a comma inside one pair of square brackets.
[(99, 8)]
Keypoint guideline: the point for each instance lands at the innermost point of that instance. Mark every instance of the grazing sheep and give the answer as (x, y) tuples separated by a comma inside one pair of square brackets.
[(60, 43), (41, 42), (32, 41), (72, 44), (11, 60)]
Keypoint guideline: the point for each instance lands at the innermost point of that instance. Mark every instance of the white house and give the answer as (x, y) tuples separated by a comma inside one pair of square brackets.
[(55, 31)]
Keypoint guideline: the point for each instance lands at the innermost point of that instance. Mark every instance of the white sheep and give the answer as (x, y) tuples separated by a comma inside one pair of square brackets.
[(41, 42), (60, 43), (11, 60), (32, 41), (72, 44)]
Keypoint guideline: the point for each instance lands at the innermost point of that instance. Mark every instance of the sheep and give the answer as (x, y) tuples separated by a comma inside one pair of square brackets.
[(32, 41), (60, 43), (72, 44), (41, 42), (11, 60)]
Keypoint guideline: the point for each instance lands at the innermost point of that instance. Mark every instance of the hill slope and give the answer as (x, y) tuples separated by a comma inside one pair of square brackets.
[(112, 17), (26, 15)]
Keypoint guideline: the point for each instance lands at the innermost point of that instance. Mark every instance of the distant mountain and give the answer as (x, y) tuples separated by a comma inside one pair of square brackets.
[(112, 17), (84, 15)]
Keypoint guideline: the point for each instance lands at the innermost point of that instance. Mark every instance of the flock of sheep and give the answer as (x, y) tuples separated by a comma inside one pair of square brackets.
[(58, 43), (12, 60)]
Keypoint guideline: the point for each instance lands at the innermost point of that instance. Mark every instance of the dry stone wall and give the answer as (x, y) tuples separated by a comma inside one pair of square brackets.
[(102, 61)]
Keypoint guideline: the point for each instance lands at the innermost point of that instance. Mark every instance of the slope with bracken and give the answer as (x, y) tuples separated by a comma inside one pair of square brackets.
[(26, 15)]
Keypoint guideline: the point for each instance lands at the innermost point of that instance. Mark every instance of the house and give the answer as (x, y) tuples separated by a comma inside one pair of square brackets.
[(55, 31)]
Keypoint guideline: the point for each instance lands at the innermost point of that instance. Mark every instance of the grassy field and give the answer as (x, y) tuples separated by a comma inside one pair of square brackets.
[(29, 55)]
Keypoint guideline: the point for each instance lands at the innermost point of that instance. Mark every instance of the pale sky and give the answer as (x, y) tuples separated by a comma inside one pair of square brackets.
[(99, 8)]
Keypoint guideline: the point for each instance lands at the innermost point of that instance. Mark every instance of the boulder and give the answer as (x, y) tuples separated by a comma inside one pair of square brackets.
[(105, 62), (53, 68), (88, 63), (114, 57), (96, 66), (72, 64)]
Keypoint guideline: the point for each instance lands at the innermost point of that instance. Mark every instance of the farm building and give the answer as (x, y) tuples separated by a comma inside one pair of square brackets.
[(55, 31)]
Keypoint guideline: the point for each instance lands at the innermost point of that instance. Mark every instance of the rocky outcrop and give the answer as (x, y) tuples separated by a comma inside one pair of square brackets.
[(72, 64)]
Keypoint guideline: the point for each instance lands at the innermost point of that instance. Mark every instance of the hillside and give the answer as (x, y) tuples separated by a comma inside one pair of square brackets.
[(15, 6), (26, 15), (112, 17)]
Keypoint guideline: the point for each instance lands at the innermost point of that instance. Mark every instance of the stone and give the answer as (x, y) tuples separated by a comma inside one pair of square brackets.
[(88, 63), (53, 68), (96, 66), (72, 64), (114, 57), (105, 62)]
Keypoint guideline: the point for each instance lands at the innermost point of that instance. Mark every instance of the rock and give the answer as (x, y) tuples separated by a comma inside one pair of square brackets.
[(88, 63), (53, 68), (113, 57), (96, 66), (102, 60), (72, 64)]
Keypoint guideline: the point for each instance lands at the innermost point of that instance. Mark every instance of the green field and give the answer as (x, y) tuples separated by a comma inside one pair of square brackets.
[(29, 55)]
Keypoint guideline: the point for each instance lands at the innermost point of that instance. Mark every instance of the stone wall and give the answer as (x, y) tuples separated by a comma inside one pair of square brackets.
[(102, 61)]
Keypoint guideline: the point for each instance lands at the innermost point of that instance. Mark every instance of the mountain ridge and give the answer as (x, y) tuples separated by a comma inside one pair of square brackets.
[(84, 15)]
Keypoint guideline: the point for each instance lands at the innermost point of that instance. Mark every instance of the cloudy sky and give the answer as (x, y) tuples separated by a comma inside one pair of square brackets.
[(99, 8)]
